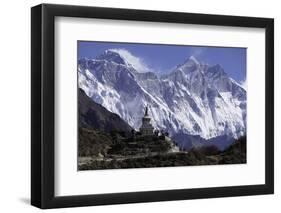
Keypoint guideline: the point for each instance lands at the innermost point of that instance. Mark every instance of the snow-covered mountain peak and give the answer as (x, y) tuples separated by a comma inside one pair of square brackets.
[(191, 62), (216, 71), (192, 59), (189, 65), (112, 56), (129, 59)]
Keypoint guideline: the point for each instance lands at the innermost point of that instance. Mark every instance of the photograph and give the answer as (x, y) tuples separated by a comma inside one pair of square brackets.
[(160, 105)]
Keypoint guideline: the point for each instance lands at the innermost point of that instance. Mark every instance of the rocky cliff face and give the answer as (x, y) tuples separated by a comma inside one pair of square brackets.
[(93, 115)]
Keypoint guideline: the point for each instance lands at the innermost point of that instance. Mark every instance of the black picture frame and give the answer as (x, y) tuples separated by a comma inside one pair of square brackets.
[(43, 102)]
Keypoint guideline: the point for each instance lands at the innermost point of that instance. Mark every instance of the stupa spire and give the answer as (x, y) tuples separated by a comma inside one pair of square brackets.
[(146, 127), (146, 111)]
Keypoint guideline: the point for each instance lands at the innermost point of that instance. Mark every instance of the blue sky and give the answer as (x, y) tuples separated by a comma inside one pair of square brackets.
[(162, 58)]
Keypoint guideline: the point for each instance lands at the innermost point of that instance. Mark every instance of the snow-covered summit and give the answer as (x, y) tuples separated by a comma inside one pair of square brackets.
[(123, 56), (112, 56), (192, 60)]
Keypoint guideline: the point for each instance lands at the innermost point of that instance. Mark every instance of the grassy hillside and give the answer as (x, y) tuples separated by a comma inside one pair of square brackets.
[(235, 154), (93, 142)]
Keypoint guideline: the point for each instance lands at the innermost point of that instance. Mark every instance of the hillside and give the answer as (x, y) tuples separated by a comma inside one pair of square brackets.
[(93, 115), (211, 155)]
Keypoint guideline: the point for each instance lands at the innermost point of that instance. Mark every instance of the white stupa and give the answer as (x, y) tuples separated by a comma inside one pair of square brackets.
[(146, 127)]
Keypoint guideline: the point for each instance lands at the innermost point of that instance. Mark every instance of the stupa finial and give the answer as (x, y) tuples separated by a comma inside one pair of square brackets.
[(146, 111)]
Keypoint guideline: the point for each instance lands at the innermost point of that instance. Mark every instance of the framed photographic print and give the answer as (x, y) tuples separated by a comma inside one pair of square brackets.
[(139, 106)]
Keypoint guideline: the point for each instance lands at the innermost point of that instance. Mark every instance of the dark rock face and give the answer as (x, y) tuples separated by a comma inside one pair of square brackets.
[(93, 115)]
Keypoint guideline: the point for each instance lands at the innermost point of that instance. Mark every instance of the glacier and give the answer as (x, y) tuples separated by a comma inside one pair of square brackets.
[(194, 99)]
